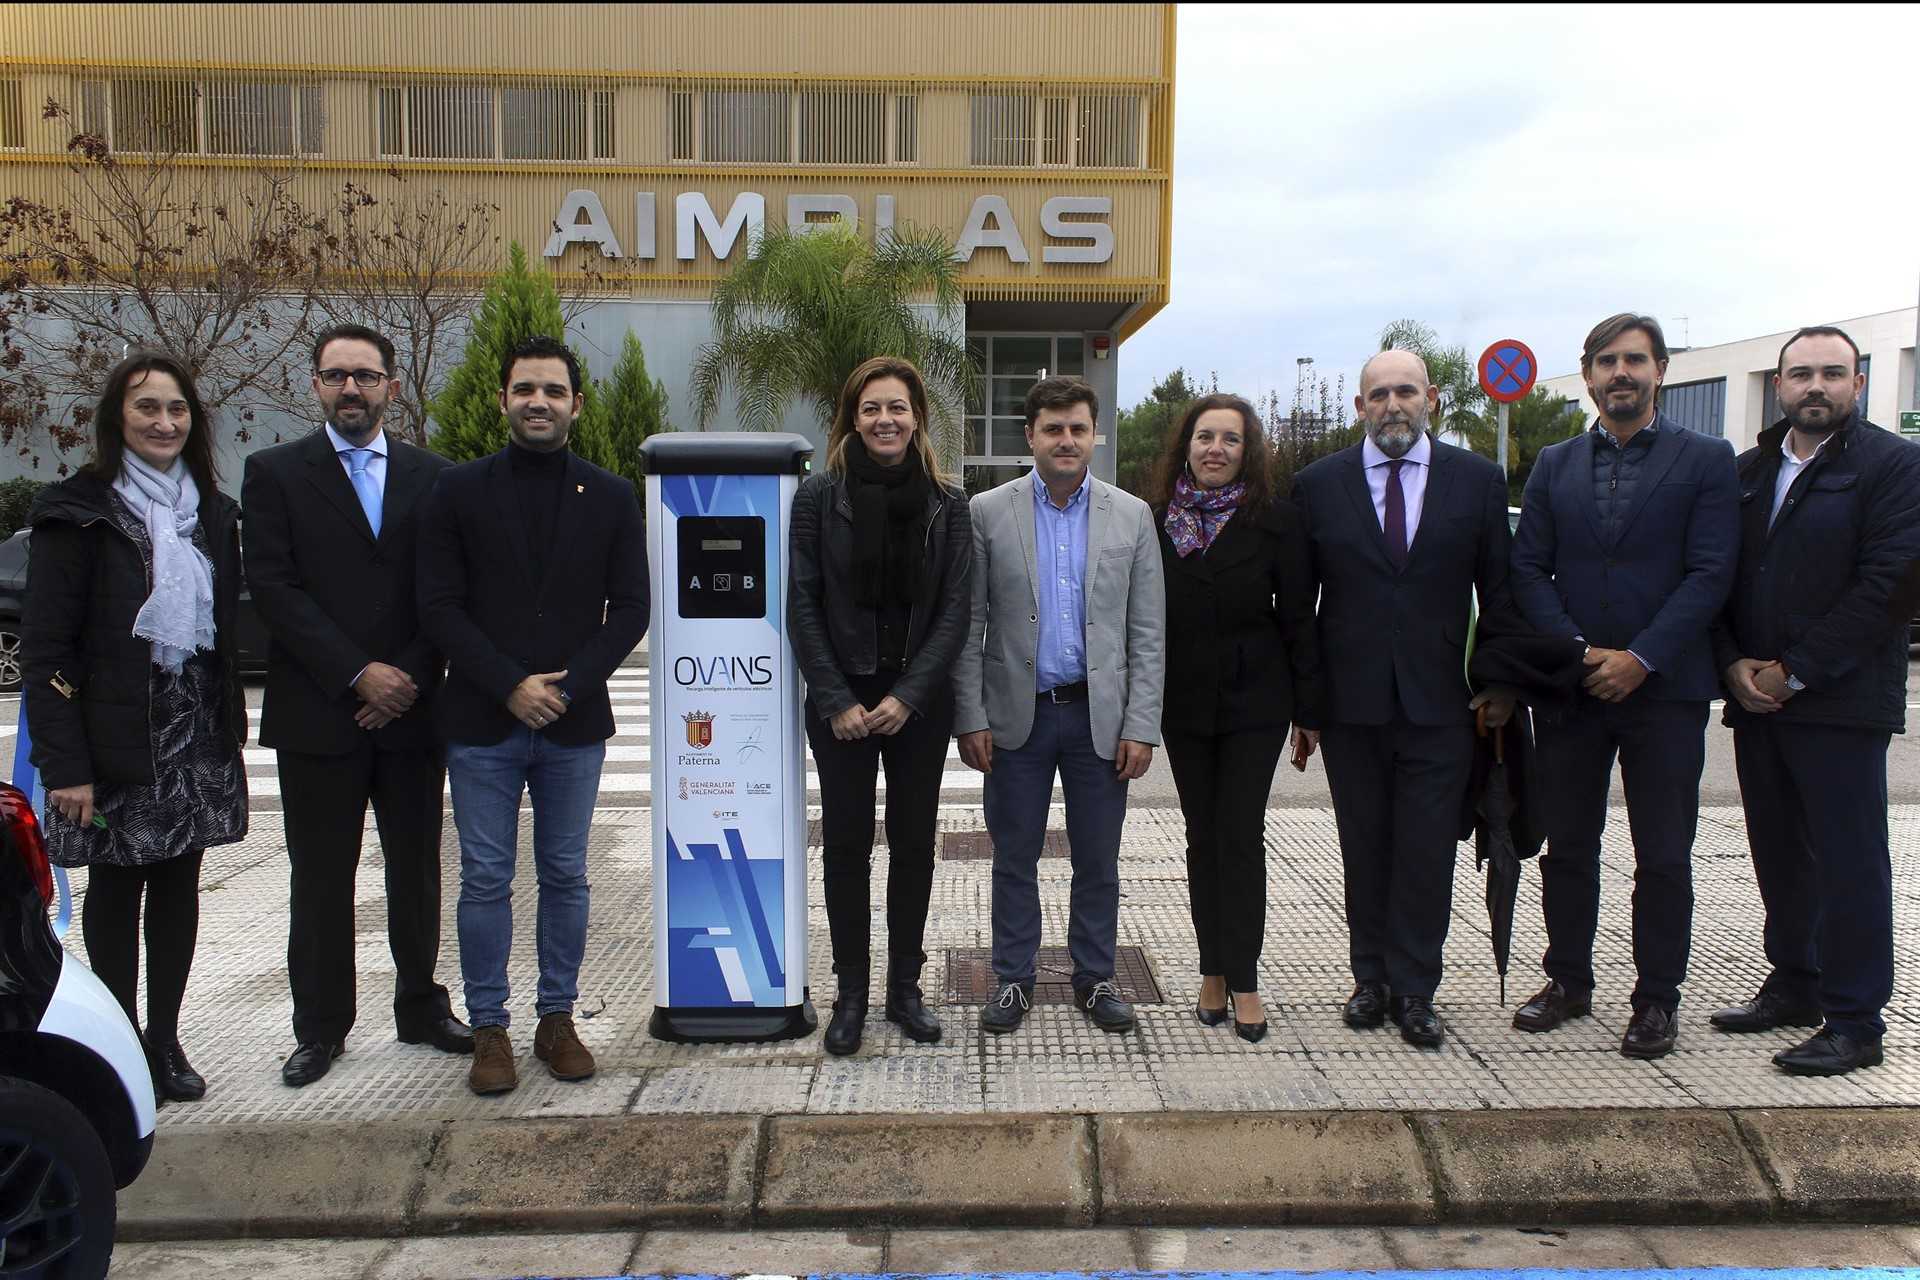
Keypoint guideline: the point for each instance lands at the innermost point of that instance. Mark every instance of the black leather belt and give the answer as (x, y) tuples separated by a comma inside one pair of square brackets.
[(1076, 692)]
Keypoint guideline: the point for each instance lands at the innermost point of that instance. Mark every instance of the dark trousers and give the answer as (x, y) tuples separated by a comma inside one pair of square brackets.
[(1018, 794), (326, 805), (1397, 791), (1224, 780), (1662, 747), (110, 922), (915, 759), (1816, 802)]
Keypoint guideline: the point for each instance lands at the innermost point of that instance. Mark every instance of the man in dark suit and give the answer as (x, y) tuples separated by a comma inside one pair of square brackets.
[(1404, 530), (1813, 647), (331, 522), (533, 581), (1627, 539)]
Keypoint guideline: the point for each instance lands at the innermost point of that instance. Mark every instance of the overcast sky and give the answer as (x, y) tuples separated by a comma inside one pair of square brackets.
[(1520, 172)]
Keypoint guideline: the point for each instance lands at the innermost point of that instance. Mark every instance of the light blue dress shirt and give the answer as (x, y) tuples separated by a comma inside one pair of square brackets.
[(1060, 569), (376, 465)]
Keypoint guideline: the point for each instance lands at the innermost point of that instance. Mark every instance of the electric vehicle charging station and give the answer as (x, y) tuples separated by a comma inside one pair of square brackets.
[(726, 741)]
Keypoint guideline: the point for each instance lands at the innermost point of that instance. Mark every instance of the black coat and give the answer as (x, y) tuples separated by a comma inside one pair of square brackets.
[(1242, 650), (480, 604), (333, 597), (833, 636), (1384, 632), (1830, 587), (86, 581)]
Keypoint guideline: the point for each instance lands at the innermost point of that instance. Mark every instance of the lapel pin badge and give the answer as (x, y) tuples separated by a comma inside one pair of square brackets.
[(579, 488)]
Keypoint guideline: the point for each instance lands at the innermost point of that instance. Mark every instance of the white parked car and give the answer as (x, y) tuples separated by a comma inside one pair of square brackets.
[(76, 1099)]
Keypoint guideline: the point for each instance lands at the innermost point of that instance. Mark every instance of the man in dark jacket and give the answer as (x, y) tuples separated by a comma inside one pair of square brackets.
[(1813, 646), (533, 582), (1403, 531), (1627, 538), (331, 523)]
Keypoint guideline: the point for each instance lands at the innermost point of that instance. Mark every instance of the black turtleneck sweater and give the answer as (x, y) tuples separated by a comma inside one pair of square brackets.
[(537, 478)]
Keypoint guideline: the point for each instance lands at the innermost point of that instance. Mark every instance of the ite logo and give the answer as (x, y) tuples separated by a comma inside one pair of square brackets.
[(699, 729)]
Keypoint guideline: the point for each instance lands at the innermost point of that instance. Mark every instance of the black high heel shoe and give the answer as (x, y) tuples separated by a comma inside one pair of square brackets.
[(1212, 1017), (1251, 1032)]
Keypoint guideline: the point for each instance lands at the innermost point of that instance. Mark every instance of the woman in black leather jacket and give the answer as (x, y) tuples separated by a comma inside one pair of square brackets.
[(877, 608)]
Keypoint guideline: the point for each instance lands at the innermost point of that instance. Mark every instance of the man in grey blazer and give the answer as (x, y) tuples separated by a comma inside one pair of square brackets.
[(1062, 672)]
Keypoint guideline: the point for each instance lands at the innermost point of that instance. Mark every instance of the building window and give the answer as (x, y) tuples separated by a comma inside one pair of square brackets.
[(211, 117), (1697, 406), (1086, 131), (13, 119), (836, 126), (1008, 364), (466, 121)]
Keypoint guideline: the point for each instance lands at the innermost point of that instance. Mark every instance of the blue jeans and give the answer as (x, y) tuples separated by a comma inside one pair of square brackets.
[(487, 785), (1017, 796)]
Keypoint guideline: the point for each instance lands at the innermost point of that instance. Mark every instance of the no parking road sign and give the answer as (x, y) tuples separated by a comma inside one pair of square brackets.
[(1508, 370)]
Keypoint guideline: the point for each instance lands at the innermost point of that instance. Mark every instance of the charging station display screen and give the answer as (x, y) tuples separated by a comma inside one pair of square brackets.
[(722, 566)]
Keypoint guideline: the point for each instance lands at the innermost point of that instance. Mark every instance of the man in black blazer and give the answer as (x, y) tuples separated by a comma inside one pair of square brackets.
[(533, 581), (1627, 541), (1813, 648), (1404, 531), (331, 522)]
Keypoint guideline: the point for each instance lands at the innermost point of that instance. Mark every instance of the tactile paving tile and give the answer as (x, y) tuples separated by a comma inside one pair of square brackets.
[(1256, 1081), (883, 1084), (975, 846), (753, 1088), (970, 977), (1601, 1079)]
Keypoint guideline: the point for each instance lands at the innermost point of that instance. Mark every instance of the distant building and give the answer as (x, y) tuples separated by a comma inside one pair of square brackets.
[(1727, 390), (651, 139)]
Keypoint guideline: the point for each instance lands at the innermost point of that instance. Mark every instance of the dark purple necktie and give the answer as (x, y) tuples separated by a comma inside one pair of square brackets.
[(1396, 516)]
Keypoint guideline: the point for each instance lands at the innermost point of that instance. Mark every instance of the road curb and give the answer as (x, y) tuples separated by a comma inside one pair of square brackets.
[(1387, 1168)]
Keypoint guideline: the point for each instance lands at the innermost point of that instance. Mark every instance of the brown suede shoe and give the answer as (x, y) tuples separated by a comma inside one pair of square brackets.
[(557, 1044), (493, 1070)]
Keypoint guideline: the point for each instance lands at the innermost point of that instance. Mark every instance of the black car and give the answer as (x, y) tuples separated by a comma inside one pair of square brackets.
[(13, 599)]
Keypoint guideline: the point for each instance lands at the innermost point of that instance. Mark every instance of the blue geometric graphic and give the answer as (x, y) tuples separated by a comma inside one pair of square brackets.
[(725, 920)]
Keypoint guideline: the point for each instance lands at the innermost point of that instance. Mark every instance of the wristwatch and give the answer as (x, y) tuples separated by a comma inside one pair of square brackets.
[(1793, 681)]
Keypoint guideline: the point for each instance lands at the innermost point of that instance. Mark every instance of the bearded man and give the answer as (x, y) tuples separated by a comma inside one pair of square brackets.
[(1813, 649), (1404, 529), (1626, 542)]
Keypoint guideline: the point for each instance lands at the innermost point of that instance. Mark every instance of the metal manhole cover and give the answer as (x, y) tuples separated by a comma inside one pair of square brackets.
[(960, 846), (970, 977)]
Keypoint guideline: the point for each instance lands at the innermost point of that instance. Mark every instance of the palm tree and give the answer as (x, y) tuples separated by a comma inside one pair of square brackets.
[(1449, 368), (805, 307)]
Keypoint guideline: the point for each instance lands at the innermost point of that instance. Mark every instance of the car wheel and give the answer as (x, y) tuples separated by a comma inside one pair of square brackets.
[(10, 656), (57, 1207)]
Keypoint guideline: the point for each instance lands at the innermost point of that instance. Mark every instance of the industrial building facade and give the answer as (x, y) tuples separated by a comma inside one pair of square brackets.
[(647, 142)]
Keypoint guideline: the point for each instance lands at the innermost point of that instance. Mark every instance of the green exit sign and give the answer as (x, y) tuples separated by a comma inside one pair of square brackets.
[(1910, 423)]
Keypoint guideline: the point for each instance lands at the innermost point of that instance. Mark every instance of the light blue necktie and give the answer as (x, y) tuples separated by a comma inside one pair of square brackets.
[(364, 487)]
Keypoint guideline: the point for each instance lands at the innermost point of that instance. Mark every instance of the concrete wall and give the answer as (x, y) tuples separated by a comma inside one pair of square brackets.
[(1747, 365)]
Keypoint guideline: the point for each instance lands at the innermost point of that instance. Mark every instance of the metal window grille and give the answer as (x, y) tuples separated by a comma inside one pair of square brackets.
[(906, 128), (450, 121), (1002, 129), (681, 125), (153, 115), (392, 111), (603, 124), (1056, 131), (313, 119), (249, 119), (843, 126), (543, 122), (13, 121), (1109, 131), (746, 126), (94, 108)]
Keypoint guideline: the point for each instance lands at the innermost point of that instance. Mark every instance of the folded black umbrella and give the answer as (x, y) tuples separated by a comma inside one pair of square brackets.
[(1495, 850)]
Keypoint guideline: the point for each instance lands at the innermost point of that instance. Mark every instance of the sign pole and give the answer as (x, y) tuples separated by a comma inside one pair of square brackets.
[(1500, 449)]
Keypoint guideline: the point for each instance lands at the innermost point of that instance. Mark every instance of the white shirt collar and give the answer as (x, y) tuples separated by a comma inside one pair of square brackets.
[(1794, 459), (341, 444), (1421, 455)]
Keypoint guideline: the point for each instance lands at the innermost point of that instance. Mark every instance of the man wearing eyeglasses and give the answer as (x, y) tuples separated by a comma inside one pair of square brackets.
[(331, 524)]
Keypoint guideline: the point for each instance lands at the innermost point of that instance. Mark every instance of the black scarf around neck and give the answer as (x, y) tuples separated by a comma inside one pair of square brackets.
[(889, 511)]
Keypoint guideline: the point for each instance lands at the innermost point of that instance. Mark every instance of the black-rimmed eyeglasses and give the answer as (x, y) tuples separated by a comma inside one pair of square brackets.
[(368, 378)]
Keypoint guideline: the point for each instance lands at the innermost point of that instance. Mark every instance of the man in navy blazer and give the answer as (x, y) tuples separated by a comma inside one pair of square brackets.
[(1627, 541), (1403, 530)]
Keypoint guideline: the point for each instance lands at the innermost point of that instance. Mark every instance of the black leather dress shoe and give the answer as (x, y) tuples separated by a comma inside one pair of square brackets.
[(448, 1034), (1650, 1033), (173, 1076), (1007, 1007), (1764, 1012), (1829, 1053), (1367, 1006), (1418, 1023), (849, 1021), (1103, 1004), (1550, 1006), (311, 1061), (907, 1010)]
